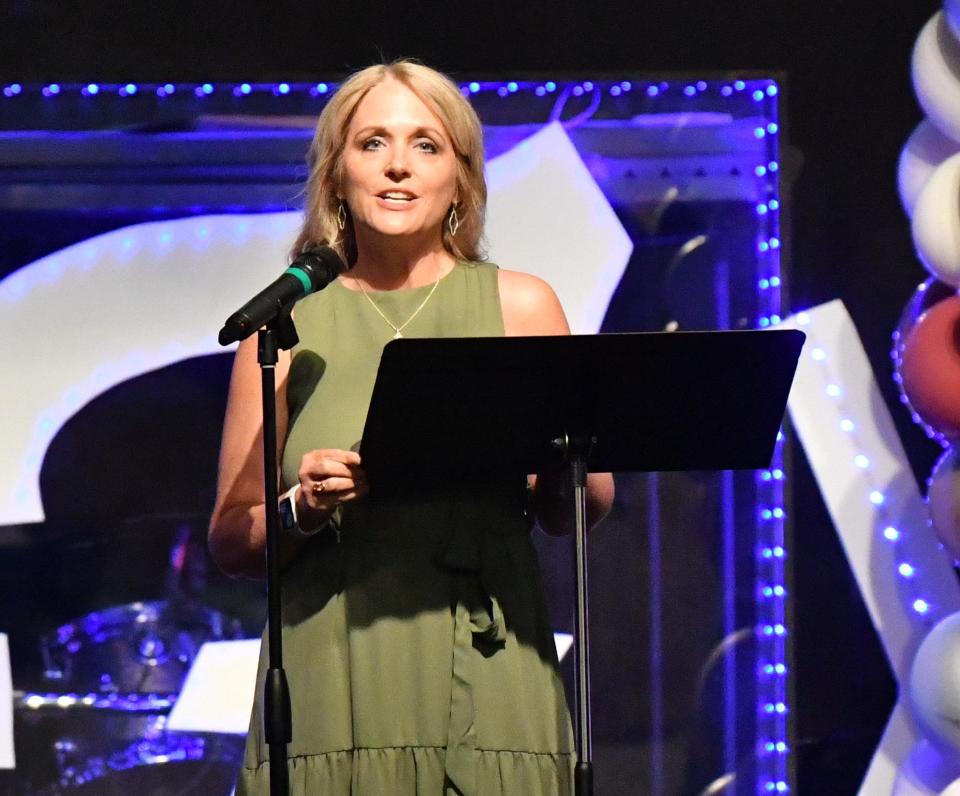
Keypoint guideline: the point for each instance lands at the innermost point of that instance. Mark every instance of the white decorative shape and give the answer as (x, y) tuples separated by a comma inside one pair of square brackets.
[(548, 217), (873, 553), (926, 148), (88, 317), (936, 222), (935, 66), (7, 757), (218, 694)]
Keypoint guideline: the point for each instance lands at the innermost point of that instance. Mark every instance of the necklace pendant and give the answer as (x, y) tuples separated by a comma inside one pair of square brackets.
[(398, 335)]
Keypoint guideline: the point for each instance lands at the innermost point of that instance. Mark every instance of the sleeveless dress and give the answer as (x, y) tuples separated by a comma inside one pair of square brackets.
[(416, 638)]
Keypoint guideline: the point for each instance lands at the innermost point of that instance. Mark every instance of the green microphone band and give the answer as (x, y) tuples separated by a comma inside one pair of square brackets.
[(304, 279)]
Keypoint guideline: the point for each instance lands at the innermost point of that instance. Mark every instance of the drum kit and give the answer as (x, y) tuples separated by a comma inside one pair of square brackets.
[(97, 721)]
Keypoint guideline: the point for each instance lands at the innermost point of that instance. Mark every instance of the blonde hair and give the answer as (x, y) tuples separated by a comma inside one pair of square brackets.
[(325, 159)]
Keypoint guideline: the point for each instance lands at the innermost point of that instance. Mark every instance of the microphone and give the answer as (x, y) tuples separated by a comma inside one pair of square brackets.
[(312, 270)]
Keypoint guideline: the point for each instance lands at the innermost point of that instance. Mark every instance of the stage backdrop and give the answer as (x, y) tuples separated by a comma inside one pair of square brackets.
[(651, 205)]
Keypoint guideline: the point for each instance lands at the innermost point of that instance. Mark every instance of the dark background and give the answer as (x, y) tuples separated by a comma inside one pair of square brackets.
[(848, 107)]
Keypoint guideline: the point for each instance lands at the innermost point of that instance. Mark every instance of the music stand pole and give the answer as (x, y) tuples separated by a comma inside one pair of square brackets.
[(575, 449)]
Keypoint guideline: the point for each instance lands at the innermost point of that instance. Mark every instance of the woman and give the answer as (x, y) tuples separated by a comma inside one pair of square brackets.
[(416, 640)]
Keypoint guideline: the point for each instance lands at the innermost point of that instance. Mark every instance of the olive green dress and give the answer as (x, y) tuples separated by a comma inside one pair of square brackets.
[(416, 639)]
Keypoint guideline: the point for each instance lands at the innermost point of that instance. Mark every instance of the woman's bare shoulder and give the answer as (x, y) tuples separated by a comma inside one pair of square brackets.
[(530, 306)]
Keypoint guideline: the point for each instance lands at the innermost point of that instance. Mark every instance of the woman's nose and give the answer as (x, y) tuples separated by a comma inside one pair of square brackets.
[(397, 167)]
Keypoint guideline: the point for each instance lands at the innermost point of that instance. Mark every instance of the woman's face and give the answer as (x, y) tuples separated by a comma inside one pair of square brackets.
[(399, 166)]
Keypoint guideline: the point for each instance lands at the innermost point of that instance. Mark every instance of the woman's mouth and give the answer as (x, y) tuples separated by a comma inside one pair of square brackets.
[(397, 197)]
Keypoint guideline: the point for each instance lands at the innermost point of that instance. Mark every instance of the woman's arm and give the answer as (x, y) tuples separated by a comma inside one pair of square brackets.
[(530, 307), (238, 530)]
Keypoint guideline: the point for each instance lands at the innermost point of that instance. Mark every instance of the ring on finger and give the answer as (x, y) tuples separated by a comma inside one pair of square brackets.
[(319, 486)]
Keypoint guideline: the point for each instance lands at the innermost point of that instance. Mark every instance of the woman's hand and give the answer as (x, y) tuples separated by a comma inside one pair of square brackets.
[(330, 477)]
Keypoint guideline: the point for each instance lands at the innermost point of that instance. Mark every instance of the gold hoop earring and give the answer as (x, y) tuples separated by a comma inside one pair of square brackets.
[(341, 216), (453, 222)]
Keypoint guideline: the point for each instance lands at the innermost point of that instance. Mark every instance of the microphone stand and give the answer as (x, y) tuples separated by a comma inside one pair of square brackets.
[(279, 335)]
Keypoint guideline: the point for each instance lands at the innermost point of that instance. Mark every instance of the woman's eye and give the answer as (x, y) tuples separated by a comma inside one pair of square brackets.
[(373, 143), (427, 146)]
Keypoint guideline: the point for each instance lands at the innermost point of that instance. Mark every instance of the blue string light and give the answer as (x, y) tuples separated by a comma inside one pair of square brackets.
[(615, 88), (772, 682)]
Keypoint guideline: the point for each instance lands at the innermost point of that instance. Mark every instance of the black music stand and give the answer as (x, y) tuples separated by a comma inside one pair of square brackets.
[(469, 410)]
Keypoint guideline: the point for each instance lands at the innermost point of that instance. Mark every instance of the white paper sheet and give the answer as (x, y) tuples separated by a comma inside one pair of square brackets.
[(218, 693), (7, 758)]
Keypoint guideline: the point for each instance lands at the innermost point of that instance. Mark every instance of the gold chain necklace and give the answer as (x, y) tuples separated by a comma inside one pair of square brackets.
[(397, 329)]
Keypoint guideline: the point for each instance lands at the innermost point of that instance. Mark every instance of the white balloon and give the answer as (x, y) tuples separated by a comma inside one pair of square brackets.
[(936, 75), (925, 149), (936, 222), (935, 688)]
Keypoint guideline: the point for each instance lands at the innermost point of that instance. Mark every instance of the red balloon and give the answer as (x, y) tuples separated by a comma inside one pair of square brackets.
[(930, 367)]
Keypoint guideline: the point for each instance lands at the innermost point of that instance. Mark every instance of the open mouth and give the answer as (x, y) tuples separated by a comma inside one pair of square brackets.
[(397, 197)]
